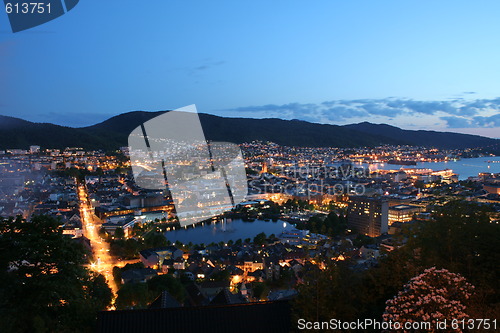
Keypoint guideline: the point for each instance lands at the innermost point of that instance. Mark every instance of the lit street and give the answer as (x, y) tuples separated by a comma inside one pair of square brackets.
[(104, 262)]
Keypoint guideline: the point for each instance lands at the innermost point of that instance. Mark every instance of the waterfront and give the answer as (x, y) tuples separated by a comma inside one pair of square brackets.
[(465, 168), (223, 231)]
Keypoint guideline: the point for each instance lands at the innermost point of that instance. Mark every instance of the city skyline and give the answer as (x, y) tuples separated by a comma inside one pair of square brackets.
[(252, 166), (415, 66)]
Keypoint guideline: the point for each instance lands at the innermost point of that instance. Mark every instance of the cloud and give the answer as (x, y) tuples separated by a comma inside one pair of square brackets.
[(457, 122), (491, 121), (456, 113), (474, 122)]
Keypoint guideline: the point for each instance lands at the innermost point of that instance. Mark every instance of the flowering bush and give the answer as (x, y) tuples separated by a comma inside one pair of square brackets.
[(434, 295)]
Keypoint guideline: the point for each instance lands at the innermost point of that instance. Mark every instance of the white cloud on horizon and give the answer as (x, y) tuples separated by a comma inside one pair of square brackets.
[(455, 113)]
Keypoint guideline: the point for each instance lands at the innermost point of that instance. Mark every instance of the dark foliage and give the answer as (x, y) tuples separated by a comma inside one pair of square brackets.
[(460, 238), (44, 285)]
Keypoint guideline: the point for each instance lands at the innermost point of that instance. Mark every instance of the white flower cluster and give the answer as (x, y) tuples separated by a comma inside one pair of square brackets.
[(434, 295)]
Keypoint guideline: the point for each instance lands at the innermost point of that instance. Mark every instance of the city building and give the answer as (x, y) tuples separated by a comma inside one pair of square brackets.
[(34, 149), (492, 188), (156, 257), (368, 216), (403, 213)]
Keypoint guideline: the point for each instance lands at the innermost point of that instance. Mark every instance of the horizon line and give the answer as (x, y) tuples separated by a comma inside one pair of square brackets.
[(448, 130)]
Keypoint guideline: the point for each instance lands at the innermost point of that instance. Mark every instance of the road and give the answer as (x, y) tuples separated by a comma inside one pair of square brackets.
[(104, 261)]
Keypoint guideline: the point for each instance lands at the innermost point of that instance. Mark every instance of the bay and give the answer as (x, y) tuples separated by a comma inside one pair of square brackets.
[(465, 168), (223, 231)]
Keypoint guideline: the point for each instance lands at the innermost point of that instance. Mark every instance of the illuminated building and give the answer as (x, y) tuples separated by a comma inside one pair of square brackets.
[(368, 216), (403, 213), (264, 167), (492, 188)]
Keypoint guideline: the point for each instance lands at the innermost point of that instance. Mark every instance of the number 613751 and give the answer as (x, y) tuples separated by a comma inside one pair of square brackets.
[(27, 8)]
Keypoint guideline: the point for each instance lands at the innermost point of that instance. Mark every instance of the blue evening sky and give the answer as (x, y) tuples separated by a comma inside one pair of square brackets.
[(412, 64)]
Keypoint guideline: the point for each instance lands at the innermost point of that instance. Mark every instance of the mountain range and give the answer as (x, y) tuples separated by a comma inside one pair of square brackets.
[(113, 133)]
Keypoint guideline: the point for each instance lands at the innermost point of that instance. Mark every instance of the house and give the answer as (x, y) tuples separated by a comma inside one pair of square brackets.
[(179, 263), (295, 265), (138, 275), (72, 231), (194, 297), (292, 237), (83, 241), (199, 273), (272, 267), (126, 224), (167, 264), (369, 252), (258, 275), (211, 288), (245, 291), (155, 257), (285, 294), (387, 245), (189, 275), (164, 301), (225, 297), (236, 274), (251, 265)]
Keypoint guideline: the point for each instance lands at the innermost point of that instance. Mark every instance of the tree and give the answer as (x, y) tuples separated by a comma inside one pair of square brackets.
[(260, 239), (419, 184), (133, 296), (326, 294), (119, 233), (117, 275), (385, 280), (103, 233), (155, 239), (166, 282), (43, 283), (332, 225), (435, 295), (361, 240), (460, 238), (137, 229), (222, 275), (260, 290), (135, 265), (131, 248), (100, 292)]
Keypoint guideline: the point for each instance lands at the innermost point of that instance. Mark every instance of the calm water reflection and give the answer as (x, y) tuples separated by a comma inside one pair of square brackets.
[(225, 231), (467, 167)]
